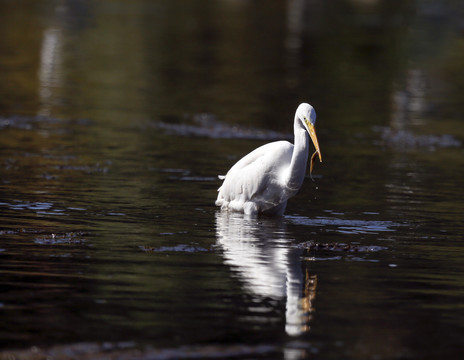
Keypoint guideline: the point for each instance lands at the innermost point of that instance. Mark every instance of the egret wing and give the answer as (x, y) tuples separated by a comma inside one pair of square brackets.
[(253, 174)]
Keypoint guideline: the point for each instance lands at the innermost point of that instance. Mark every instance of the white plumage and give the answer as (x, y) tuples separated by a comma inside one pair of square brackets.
[(263, 180)]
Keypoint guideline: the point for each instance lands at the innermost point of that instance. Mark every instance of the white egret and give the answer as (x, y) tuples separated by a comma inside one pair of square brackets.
[(262, 181)]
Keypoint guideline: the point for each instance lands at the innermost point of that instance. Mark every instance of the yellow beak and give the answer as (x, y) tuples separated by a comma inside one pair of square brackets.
[(312, 134)]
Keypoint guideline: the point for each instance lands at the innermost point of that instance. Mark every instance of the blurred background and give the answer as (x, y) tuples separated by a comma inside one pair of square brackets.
[(116, 117), (235, 59)]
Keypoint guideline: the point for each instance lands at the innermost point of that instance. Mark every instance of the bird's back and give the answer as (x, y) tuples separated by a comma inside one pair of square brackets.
[(255, 183)]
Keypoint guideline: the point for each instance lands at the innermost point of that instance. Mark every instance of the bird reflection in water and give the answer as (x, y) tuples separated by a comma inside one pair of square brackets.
[(261, 252)]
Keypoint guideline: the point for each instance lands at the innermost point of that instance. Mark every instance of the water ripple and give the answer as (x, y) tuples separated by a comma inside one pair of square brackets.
[(206, 125), (345, 226)]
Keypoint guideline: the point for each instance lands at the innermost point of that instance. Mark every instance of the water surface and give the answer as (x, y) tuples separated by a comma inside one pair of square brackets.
[(117, 116)]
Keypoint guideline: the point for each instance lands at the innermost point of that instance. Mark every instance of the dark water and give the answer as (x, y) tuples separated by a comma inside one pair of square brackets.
[(116, 117)]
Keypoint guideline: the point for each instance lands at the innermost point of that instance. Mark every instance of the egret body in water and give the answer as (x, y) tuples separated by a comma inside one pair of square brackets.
[(262, 181)]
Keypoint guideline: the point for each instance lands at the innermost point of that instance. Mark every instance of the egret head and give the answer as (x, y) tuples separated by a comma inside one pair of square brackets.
[(307, 116)]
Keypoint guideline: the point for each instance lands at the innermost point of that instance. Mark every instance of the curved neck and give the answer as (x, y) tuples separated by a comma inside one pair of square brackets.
[(297, 168)]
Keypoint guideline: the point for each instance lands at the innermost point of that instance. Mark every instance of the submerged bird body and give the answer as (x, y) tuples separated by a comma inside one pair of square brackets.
[(263, 180)]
